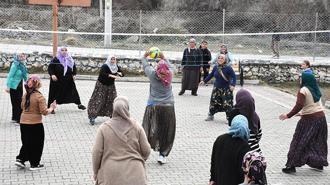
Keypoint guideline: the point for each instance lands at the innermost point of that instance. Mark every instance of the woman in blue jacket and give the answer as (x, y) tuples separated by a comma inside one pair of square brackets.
[(16, 75)]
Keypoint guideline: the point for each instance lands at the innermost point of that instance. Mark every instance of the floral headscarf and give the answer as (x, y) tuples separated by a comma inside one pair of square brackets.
[(65, 60), (254, 165), (30, 90), (163, 73)]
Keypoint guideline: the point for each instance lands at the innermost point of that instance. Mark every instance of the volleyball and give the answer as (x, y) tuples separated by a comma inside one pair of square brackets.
[(154, 52)]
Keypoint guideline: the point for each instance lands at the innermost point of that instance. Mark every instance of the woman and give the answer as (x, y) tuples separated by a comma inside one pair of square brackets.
[(105, 92), (224, 50), (254, 167), (159, 121), (206, 58), (62, 88), (32, 130), (245, 105), (121, 149), (228, 152), (309, 143), (191, 65), (222, 94), (306, 67), (16, 75)]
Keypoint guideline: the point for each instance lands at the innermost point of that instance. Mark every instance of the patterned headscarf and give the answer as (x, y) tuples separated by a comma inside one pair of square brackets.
[(239, 127), (163, 73), (21, 64), (30, 90), (254, 165), (113, 67), (65, 60), (308, 80)]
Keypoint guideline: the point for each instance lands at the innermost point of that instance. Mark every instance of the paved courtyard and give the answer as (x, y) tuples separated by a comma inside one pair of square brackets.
[(69, 139)]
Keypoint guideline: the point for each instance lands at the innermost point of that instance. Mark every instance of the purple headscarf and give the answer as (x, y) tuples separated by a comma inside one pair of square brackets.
[(246, 106), (65, 60)]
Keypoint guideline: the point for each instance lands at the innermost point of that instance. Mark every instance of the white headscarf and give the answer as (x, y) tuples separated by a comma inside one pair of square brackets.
[(113, 67)]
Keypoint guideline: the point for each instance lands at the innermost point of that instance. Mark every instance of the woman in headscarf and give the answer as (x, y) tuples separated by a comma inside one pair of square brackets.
[(105, 92), (159, 121), (121, 149), (16, 75), (245, 105), (309, 143), (224, 85), (254, 167), (224, 50), (62, 71), (191, 67), (32, 129), (228, 152)]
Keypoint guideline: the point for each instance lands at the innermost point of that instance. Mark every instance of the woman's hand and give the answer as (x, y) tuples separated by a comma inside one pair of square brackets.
[(113, 76), (120, 74), (7, 90), (54, 78), (283, 117), (231, 88), (53, 105), (201, 83), (74, 77), (212, 183)]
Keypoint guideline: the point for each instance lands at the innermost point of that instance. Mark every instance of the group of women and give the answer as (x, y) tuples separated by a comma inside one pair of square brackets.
[(122, 143)]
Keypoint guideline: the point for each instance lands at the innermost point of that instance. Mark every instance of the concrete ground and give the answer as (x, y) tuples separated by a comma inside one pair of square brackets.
[(69, 139)]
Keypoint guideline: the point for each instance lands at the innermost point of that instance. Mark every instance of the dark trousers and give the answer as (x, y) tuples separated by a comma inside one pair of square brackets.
[(32, 137), (16, 99), (276, 47), (206, 70)]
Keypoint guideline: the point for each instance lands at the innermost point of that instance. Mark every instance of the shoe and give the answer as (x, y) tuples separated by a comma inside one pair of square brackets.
[(209, 118), (317, 168), (53, 112), (289, 170), (19, 163), (194, 94), (161, 159), (81, 107), (39, 167), (181, 93), (91, 121)]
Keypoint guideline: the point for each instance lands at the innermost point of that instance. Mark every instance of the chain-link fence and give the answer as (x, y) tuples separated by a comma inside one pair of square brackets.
[(128, 24)]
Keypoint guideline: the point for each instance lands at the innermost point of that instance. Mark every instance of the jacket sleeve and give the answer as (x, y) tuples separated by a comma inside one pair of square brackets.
[(51, 67), (199, 61), (98, 151), (208, 78), (232, 75), (12, 71), (74, 70), (42, 105), (184, 58), (144, 144), (119, 70), (148, 70), (208, 55), (103, 74), (299, 105)]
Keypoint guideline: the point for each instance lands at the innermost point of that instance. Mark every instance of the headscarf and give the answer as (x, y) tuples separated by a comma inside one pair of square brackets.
[(30, 90), (65, 60), (121, 121), (254, 164), (21, 65), (246, 106), (239, 128), (113, 67), (163, 73), (308, 80)]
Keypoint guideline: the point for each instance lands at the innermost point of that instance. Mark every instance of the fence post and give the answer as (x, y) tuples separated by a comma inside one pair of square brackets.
[(140, 45), (101, 8), (315, 38), (108, 23), (223, 24)]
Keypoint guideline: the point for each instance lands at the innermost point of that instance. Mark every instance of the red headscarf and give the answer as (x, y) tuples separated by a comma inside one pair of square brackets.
[(163, 72)]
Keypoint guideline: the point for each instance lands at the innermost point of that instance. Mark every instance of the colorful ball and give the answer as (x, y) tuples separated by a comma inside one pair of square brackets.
[(154, 52)]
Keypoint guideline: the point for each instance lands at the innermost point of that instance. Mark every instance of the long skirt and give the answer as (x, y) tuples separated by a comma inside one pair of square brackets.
[(16, 99), (190, 79), (64, 91), (159, 124), (309, 144), (32, 137), (101, 101), (221, 101)]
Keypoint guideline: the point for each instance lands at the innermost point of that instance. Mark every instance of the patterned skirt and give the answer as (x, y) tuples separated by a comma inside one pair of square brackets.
[(309, 144), (221, 100), (159, 124), (101, 101)]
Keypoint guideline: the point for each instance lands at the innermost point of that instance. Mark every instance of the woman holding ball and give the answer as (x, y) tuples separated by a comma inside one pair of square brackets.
[(159, 121)]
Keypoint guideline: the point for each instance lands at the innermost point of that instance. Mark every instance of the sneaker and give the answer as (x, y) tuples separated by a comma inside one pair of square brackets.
[(19, 163), (209, 118), (289, 170), (92, 121), (194, 94), (81, 107), (161, 159), (39, 167)]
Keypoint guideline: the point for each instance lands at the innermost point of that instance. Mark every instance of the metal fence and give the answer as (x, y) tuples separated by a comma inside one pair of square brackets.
[(129, 22)]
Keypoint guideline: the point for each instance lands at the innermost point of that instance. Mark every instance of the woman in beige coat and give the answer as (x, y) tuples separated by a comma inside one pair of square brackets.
[(121, 149)]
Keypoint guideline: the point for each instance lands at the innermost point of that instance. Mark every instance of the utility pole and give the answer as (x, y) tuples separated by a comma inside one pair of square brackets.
[(108, 23)]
